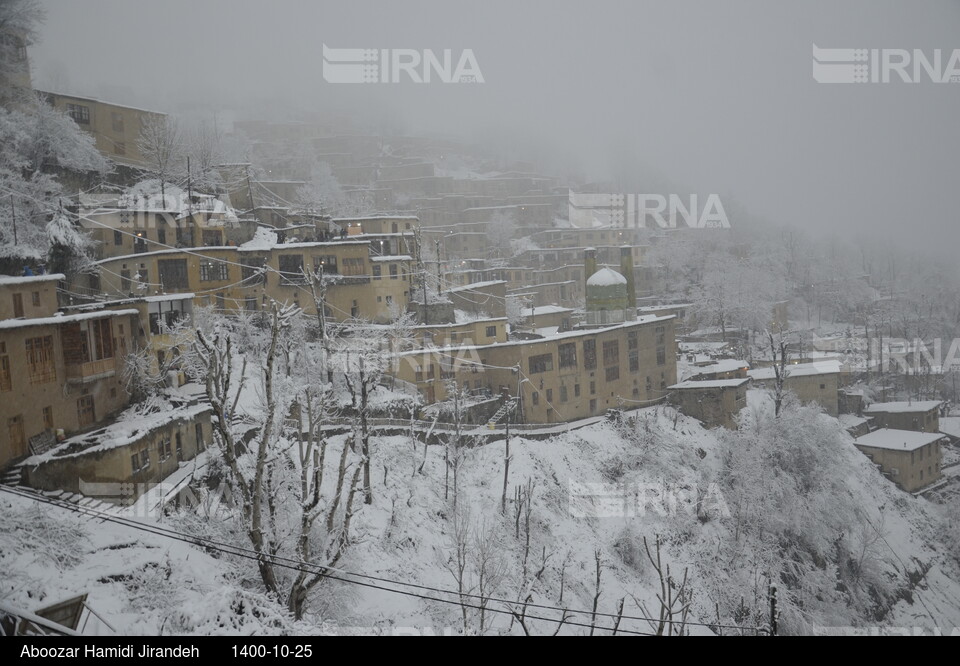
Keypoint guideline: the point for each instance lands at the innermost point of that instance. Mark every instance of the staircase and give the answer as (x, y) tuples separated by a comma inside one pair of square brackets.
[(12, 476), (505, 409)]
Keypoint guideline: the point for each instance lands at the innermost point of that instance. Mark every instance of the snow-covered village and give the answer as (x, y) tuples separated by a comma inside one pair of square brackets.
[(570, 319)]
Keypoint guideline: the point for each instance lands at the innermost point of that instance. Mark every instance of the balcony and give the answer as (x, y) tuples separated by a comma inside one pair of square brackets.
[(91, 371)]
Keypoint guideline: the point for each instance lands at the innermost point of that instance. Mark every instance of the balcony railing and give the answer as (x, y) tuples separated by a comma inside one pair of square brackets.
[(91, 370)]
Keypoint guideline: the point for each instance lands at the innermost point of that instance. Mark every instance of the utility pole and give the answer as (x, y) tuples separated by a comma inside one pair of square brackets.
[(437, 241), (774, 614), (13, 211)]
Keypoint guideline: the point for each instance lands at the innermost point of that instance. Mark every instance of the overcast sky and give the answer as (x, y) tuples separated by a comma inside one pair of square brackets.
[(697, 96)]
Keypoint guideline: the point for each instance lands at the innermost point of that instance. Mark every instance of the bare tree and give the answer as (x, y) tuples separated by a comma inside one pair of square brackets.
[(259, 469), (161, 144), (778, 351)]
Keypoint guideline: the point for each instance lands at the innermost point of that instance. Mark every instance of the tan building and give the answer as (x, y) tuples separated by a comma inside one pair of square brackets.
[(547, 317), (114, 127), (564, 377), (476, 332), (109, 455), (60, 373), (28, 297), (715, 403), (480, 298), (921, 416), (361, 283), (154, 224), (910, 459), (811, 382)]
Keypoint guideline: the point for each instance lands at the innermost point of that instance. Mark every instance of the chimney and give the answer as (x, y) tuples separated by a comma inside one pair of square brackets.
[(626, 269), (589, 265)]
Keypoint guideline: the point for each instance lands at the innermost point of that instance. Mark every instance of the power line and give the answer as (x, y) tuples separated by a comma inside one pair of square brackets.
[(310, 568), (298, 565)]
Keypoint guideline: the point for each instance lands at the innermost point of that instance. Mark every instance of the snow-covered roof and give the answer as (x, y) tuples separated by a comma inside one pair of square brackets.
[(605, 277), (902, 407), (64, 319), (392, 257), (544, 309), (950, 425), (798, 370), (717, 383), (722, 365), (13, 280), (559, 336), (129, 428), (477, 285), (897, 440)]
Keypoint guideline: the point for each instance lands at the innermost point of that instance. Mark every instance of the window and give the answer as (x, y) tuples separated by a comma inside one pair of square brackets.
[(173, 273), (85, 412), (661, 356), (568, 355), (134, 462), (6, 383), (214, 271), (250, 303), (491, 331), (661, 335), (389, 299), (563, 394), (116, 120), (633, 341), (252, 270), (541, 363), (393, 271), (79, 113), (36, 299), (576, 390), (102, 333), (18, 306), (48, 418), (590, 354), (611, 352), (40, 363), (163, 449), (125, 281), (593, 406), (161, 235), (211, 238), (377, 271), (536, 398), (326, 263), (353, 266), (291, 268), (118, 238), (593, 388), (634, 361), (179, 448), (145, 458), (613, 373)]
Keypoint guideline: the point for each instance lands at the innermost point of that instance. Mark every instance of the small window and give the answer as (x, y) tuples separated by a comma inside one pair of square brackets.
[(36, 299), (48, 418), (117, 237), (79, 113), (491, 331), (536, 398), (576, 390)]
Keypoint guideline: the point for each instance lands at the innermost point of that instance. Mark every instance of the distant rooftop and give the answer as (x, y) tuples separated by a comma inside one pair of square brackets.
[(902, 407)]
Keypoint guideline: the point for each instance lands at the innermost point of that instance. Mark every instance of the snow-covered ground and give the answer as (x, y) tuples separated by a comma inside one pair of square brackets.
[(145, 583)]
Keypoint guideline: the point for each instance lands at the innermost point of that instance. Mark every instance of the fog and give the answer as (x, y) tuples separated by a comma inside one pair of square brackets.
[(690, 96)]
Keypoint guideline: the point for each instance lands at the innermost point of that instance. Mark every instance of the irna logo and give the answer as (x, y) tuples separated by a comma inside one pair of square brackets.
[(399, 65)]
